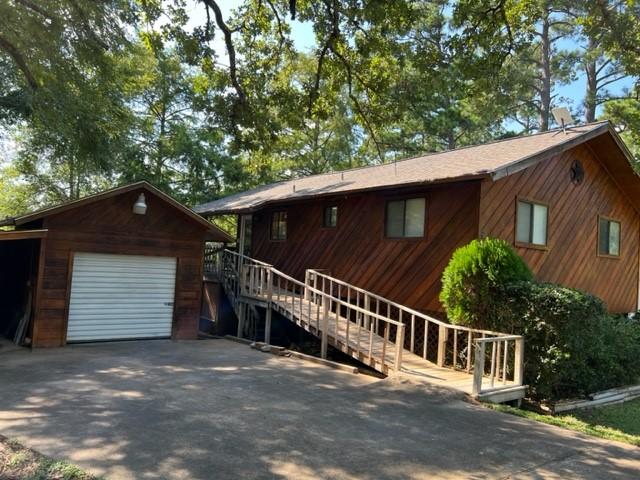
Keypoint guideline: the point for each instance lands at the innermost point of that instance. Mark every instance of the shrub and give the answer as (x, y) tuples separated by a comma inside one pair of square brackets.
[(572, 346), (472, 276)]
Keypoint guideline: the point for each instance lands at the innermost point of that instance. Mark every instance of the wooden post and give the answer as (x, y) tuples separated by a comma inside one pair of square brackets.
[(315, 287), (307, 284), (399, 347), (241, 279), (518, 371), (469, 349), (442, 345), (241, 319), (325, 327), (478, 369), (267, 321), (367, 307)]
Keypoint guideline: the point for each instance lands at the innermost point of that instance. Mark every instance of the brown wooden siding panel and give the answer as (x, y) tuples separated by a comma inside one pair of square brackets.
[(571, 257), (406, 271), (110, 227)]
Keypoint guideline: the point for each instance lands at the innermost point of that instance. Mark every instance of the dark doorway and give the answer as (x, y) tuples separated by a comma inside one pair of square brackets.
[(18, 274)]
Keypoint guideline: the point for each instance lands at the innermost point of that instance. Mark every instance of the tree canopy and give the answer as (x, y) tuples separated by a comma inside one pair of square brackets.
[(204, 100)]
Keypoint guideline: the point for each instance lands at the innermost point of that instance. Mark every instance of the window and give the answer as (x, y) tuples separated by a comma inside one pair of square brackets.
[(405, 218), (330, 217), (608, 237), (279, 226), (531, 223)]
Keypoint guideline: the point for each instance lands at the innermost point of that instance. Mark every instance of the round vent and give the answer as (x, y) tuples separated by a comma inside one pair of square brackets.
[(577, 172)]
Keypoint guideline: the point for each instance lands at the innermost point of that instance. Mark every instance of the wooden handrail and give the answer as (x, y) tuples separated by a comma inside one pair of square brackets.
[(376, 315), (405, 308)]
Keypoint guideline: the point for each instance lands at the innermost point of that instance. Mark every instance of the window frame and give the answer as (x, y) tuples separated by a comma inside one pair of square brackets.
[(404, 198), (534, 246), (272, 216), (608, 255), (324, 216)]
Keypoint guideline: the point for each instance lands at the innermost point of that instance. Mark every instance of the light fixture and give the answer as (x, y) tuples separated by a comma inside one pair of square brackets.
[(140, 207)]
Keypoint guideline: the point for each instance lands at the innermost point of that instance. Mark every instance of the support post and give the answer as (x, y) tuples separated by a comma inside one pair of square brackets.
[(267, 321), (307, 284), (518, 371), (242, 306), (399, 347), (325, 327), (367, 307), (442, 345), (241, 278), (478, 369)]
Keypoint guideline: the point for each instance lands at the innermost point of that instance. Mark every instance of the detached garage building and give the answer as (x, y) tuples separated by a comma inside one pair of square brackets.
[(123, 264)]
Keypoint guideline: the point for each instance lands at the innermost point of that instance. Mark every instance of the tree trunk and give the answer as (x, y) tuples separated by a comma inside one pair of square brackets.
[(545, 74), (590, 98)]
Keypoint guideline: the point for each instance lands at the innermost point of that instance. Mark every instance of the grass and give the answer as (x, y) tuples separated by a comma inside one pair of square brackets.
[(18, 462), (616, 422)]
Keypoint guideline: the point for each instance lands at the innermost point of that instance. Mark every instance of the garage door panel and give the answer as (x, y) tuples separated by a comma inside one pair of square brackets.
[(97, 292), (116, 322), (129, 336), (124, 328), (121, 297)]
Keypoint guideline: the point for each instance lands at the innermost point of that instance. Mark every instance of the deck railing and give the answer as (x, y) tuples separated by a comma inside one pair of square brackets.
[(495, 359)]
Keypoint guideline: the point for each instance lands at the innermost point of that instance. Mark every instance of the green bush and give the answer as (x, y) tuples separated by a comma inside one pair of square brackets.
[(473, 275), (572, 346)]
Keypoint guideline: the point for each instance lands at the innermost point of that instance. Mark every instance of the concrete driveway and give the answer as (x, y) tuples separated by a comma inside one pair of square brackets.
[(217, 409)]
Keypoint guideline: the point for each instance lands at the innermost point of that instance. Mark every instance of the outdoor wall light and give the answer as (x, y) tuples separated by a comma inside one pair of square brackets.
[(140, 207)]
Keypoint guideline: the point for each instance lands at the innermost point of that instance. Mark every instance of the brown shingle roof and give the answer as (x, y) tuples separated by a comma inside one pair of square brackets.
[(494, 160)]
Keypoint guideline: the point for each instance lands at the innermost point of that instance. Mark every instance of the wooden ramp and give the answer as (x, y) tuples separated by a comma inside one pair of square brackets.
[(390, 338)]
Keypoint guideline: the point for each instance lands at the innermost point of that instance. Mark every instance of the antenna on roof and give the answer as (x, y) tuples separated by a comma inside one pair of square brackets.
[(562, 117)]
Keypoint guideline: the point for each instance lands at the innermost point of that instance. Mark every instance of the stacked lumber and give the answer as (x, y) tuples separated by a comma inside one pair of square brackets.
[(599, 399)]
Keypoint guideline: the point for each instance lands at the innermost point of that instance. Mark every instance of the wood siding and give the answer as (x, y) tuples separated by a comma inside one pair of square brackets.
[(406, 271), (571, 257), (109, 226)]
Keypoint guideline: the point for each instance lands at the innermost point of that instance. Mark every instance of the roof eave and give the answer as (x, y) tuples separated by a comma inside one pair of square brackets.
[(8, 222), (23, 234), (526, 162), (260, 205)]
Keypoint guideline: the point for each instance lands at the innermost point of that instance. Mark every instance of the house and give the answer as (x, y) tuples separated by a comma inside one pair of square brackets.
[(122, 264), (567, 200)]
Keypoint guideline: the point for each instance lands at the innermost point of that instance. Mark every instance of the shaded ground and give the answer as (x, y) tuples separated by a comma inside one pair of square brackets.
[(20, 463), (616, 422), (217, 409)]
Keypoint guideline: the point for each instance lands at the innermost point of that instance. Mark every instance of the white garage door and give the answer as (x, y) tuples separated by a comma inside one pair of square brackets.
[(121, 296)]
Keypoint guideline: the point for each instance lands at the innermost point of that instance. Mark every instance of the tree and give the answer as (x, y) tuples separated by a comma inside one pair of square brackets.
[(625, 114), (41, 41), (526, 34), (439, 102), (615, 23), (71, 144), (170, 144), (16, 195)]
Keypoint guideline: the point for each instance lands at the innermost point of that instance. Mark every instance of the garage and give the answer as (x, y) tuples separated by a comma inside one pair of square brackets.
[(123, 264), (116, 297)]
